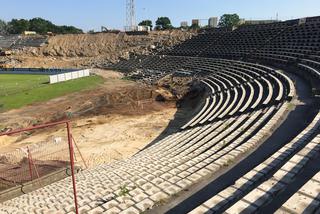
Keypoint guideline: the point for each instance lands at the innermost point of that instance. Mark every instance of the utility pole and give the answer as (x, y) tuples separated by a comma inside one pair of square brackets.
[(131, 15)]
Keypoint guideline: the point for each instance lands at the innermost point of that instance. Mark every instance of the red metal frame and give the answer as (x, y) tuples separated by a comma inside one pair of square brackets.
[(71, 151), (72, 167), (29, 162), (34, 165), (34, 127), (83, 160)]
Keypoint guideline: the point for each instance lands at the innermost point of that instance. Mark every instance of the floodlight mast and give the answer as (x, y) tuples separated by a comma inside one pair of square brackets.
[(131, 15)]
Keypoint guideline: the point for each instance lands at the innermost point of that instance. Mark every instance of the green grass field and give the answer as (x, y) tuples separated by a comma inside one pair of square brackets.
[(17, 91)]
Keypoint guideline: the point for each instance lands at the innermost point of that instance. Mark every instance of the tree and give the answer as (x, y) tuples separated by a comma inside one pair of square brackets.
[(146, 23), (229, 20), (40, 25), (163, 23), (18, 26), (3, 27), (67, 29), (194, 27)]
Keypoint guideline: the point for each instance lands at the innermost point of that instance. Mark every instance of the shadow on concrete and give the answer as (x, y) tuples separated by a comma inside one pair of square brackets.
[(187, 108), (295, 123), (310, 170)]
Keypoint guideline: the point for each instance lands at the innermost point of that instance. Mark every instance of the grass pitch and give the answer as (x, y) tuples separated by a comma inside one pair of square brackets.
[(17, 91)]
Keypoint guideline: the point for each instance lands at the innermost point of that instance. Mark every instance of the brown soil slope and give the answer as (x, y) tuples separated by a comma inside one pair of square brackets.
[(92, 50)]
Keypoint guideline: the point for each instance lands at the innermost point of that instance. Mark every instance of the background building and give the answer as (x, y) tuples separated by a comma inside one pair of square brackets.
[(184, 24), (196, 22), (213, 22)]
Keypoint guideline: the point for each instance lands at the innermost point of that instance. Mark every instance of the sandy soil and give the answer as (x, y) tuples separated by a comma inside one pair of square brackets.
[(92, 50), (106, 138), (109, 123)]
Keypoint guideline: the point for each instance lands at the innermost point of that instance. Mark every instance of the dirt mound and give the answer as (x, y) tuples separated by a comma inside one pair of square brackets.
[(93, 49), (178, 86), (111, 46)]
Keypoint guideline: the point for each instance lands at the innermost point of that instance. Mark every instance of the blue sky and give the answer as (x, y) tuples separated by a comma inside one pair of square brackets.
[(91, 14)]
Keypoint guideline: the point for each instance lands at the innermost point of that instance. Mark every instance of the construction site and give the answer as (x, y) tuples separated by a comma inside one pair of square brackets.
[(201, 120)]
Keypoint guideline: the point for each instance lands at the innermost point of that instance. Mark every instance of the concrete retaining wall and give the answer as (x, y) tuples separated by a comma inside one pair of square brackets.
[(69, 76)]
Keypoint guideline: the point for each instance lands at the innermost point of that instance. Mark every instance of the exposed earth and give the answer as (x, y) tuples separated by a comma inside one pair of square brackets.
[(92, 50), (109, 123)]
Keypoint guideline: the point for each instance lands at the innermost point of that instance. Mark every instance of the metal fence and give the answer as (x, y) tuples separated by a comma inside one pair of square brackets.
[(32, 162), (36, 160)]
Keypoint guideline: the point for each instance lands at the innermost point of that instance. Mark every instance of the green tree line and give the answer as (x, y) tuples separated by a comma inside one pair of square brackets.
[(162, 23), (39, 25)]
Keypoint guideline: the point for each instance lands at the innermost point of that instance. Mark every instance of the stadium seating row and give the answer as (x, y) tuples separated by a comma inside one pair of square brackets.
[(242, 103), (234, 87), (293, 42), (264, 182), (182, 159)]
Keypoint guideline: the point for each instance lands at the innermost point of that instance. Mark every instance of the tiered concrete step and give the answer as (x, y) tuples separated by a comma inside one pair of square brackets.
[(270, 91), (215, 108), (223, 107), (227, 104), (206, 82), (260, 95), (250, 100), (178, 161), (291, 90), (150, 178), (212, 84), (208, 105), (232, 104), (242, 197), (268, 190), (311, 70), (240, 102), (223, 85), (280, 95), (306, 200)]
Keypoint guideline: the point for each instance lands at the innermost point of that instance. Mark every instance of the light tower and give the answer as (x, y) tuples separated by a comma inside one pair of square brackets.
[(131, 16)]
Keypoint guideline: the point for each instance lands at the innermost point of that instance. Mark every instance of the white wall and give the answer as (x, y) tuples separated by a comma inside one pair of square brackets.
[(69, 76)]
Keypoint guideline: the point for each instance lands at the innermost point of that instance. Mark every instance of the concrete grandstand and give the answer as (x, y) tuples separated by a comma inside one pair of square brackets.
[(251, 144)]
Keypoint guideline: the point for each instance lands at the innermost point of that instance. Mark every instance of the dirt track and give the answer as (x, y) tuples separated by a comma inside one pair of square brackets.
[(109, 123)]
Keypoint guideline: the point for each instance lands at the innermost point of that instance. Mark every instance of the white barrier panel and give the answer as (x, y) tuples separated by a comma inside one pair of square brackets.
[(61, 77), (69, 76), (53, 79), (80, 73), (74, 75), (86, 72)]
